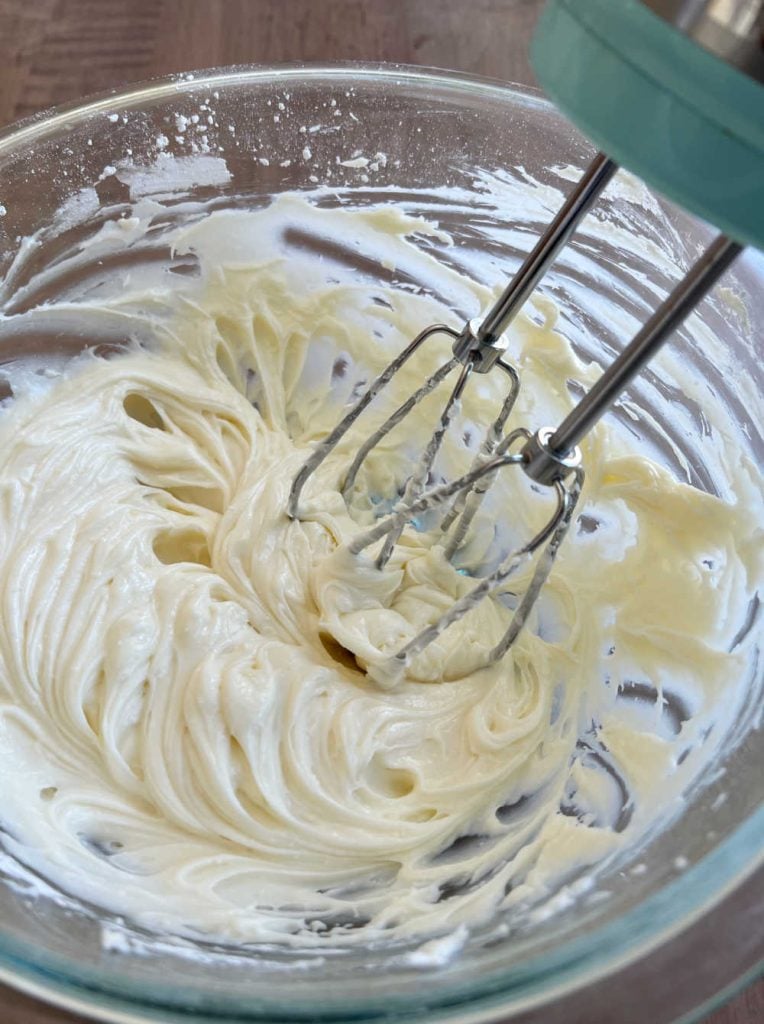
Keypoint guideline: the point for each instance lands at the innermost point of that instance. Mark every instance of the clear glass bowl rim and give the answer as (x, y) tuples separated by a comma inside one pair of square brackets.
[(665, 914)]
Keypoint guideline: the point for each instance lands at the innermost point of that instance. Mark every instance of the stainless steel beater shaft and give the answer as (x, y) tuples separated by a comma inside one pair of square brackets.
[(478, 347), (547, 451), (482, 344)]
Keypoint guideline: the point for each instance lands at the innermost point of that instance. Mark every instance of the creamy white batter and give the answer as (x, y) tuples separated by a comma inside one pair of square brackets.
[(182, 739)]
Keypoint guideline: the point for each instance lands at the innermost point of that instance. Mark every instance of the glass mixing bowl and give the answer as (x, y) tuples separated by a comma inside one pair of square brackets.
[(645, 942)]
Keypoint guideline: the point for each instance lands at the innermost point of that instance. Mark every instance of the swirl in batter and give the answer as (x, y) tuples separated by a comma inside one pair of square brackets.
[(189, 735)]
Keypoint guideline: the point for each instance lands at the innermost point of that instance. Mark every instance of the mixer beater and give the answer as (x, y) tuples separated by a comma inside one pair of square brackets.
[(550, 456)]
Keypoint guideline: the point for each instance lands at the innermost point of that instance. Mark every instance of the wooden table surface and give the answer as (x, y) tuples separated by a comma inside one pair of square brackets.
[(57, 50)]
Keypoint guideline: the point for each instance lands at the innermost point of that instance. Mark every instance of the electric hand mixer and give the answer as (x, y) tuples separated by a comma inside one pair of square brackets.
[(673, 90)]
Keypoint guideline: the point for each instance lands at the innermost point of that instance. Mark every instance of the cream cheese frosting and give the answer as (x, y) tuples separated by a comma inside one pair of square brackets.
[(190, 730)]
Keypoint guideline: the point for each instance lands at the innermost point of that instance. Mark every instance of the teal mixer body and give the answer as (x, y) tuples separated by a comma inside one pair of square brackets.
[(673, 90)]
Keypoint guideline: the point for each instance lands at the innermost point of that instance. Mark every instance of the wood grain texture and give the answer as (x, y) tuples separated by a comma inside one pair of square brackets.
[(52, 51), (56, 50)]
